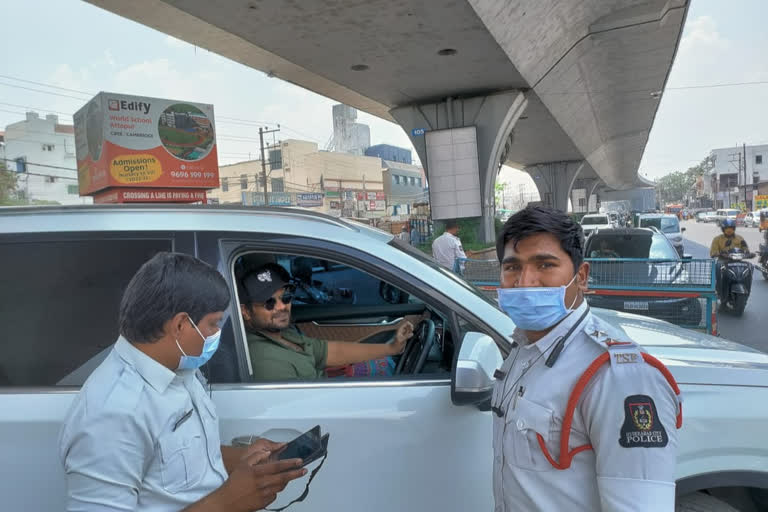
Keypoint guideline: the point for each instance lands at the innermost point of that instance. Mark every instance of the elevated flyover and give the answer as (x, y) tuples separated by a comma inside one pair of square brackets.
[(556, 88)]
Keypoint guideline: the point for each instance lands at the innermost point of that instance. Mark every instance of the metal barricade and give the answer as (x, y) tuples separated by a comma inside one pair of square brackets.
[(681, 292)]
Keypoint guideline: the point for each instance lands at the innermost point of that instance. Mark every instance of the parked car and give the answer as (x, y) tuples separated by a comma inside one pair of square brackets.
[(594, 221), (752, 220), (727, 213), (641, 244), (668, 224), (64, 270)]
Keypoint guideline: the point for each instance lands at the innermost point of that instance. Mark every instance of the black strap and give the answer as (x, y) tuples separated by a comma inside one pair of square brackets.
[(550, 362), (306, 489)]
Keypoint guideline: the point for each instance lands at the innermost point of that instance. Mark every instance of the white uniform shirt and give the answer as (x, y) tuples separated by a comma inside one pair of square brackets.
[(627, 413), (140, 437), (446, 248)]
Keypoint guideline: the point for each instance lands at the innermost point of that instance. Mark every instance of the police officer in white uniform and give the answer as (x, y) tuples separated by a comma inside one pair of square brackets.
[(447, 247), (583, 419), (142, 433)]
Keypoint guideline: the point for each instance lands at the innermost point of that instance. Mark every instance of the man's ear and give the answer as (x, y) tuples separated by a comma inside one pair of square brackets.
[(175, 325), (583, 278), (245, 312)]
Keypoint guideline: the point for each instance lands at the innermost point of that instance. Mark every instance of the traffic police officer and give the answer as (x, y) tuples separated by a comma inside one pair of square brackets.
[(583, 419)]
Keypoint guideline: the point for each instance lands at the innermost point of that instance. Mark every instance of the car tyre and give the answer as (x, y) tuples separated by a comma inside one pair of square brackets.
[(739, 304), (700, 502)]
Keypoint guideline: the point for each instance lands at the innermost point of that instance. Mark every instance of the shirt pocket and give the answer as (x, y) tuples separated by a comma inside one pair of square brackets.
[(521, 444), (182, 461)]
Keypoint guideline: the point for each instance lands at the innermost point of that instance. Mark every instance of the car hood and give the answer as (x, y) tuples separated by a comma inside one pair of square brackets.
[(692, 356)]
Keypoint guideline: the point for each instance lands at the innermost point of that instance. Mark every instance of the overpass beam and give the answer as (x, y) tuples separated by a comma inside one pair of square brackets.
[(555, 180), (494, 116)]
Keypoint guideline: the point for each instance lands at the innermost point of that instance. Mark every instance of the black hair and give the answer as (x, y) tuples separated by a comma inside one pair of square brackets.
[(533, 220), (168, 284), (451, 224)]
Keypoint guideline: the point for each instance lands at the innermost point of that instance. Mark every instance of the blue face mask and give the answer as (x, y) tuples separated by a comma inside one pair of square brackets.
[(210, 345), (535, 309)]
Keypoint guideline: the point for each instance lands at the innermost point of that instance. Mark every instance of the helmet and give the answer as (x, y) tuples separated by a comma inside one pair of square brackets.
[(728, 223)]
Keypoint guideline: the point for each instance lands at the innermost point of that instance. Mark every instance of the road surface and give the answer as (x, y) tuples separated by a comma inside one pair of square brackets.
[(749, 329)]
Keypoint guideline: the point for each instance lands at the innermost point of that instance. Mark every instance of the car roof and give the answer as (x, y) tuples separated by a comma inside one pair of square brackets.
[(626, 232), (169, 217)]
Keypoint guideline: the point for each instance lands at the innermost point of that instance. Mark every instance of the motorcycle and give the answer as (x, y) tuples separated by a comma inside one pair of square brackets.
[(736, 280)]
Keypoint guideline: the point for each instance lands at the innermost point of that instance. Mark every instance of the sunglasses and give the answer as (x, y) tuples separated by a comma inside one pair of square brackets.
[(271, 302)]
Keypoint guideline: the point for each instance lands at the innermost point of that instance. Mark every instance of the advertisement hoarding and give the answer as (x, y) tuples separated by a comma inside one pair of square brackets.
[(133, 141), (761, 201), (149, 195), (310, 199)]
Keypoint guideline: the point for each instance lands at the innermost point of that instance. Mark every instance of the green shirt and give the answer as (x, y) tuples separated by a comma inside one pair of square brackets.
[(272, 361)]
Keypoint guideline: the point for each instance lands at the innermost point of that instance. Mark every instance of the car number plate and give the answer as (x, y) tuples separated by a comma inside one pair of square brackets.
[(636, 305)]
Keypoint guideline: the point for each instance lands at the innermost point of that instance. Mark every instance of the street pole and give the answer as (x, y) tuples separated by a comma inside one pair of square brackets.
[(263, 166), (745, 175), (262, 131)]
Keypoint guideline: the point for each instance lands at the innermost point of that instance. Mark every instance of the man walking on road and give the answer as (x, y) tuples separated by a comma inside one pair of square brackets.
[(583, 420), (447, 247)]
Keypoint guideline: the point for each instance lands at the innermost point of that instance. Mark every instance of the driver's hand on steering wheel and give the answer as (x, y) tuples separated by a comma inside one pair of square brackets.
[(403, 334)]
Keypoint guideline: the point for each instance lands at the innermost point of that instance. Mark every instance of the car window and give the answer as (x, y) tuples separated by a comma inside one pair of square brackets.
[(588, 221), (336, 303), (77, 286), (663, 224), (660, 249), (618, 246)]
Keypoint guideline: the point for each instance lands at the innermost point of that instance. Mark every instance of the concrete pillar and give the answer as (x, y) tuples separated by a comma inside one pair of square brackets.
[(555, 180), (494, 117), (588, 185)]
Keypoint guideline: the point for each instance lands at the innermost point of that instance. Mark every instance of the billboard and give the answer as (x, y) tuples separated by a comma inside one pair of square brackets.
[(310, 199), (134, 141), (150, 195), (761, 201), (454, 173)]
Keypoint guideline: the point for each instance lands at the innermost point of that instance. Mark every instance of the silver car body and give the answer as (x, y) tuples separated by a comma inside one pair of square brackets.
[(400, 444)]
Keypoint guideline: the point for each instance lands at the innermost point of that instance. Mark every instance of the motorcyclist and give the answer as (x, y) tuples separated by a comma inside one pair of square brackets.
[(723, 243)]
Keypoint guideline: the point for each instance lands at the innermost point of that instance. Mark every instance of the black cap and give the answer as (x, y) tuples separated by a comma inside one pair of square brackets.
[(260, 284)]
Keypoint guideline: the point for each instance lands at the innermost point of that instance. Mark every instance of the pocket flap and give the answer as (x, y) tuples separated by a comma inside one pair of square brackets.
[(533, 416)]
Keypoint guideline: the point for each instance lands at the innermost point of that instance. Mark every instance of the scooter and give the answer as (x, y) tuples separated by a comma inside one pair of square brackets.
[(736, 280)]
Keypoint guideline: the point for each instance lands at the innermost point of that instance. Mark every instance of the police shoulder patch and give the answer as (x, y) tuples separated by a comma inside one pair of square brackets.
[(642, 426)]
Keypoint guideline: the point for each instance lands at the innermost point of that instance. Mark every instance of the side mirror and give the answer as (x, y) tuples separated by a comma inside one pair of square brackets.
[(682, 229), (473, 381)]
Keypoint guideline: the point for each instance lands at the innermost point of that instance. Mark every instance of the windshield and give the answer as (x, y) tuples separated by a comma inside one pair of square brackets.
[(590, 221), (630, 246), (663, 224)]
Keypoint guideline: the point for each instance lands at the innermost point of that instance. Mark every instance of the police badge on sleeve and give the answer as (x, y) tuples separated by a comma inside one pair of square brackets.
[(642, 427)]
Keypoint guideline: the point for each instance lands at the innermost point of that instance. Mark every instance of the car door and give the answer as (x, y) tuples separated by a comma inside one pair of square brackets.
[(396, 443), (60, 295)]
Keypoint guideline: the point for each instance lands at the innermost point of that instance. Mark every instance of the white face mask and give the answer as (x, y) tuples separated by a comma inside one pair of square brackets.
[(210, 345)]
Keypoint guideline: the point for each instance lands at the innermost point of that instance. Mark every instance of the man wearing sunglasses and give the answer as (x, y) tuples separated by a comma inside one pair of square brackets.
[(278, 350)]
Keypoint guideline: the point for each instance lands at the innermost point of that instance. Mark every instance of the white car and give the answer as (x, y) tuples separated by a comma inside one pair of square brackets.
[(416, 441), (594, 221)]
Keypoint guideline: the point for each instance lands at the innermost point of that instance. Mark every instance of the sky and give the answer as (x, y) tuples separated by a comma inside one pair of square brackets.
[(81, 50)]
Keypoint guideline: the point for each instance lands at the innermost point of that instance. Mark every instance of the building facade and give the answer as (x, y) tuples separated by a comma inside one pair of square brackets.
[(736, 173), (43, 152), (404, 186), (299, 174), (391, 153)]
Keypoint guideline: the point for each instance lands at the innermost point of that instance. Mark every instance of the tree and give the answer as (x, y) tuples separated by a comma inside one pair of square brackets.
[(673, 187), (7, 185)]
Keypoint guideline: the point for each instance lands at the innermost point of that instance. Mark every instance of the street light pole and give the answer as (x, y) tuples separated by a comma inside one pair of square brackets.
[(262, 131)]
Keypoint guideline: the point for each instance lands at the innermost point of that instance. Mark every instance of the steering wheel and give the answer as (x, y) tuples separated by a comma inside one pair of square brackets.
[(417, 349)]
